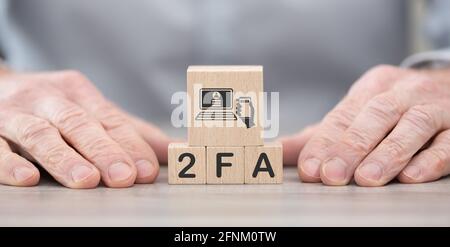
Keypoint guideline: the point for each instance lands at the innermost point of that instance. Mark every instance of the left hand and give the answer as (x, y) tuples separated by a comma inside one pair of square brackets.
[(393, 123), (62, 122)]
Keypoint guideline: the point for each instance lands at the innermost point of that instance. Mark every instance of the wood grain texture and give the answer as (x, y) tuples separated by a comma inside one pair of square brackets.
[(180, 156), (269, 160), (244, 81), (232, 172)]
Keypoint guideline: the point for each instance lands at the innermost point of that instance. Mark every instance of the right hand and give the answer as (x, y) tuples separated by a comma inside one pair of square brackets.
[(61, 121)]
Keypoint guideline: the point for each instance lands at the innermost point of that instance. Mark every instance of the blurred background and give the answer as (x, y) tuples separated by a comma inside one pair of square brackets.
[(137, 51)]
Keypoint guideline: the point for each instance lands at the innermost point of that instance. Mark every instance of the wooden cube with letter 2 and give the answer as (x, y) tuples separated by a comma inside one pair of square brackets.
[(187, 165), (225, 143)]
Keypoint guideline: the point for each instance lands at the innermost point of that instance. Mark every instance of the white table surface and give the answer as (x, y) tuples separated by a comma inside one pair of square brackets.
[(289, 204)]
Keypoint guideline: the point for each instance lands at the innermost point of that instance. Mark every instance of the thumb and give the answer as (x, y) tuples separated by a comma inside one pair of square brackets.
[(293, 144)]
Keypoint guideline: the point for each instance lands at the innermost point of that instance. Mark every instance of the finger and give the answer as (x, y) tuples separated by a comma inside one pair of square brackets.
[(415, 128), (430, 164), (292, 145), (315, 152), (42, 141), (371, 125), (123, 132), (90, 139), (119, 128), (157, 139), (376, 119), (15, 170), (83, 92), (316, 149)]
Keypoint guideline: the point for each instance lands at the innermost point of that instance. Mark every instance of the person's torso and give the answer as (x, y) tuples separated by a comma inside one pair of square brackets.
[(137, 52)]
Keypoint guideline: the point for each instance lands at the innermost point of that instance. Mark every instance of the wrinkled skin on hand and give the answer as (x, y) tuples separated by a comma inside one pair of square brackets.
[(393, 123), (63, 123)]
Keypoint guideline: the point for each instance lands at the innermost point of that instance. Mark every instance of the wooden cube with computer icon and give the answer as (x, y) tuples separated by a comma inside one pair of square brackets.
[(216, 93), (225, 117)]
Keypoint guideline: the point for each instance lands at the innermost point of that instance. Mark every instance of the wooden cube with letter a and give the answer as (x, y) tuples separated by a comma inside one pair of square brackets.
[(224, 105), (264, 164), (187, 165), (225, 165)]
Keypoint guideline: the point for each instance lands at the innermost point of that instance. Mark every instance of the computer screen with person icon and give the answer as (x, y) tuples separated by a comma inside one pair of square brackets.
[(216, 104), (216, 98)]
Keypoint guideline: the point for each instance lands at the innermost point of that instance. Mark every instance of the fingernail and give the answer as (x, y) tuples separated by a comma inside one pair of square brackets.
[(371, 172), (335, 170), (413, 172), (312, 167), (23, 173), (144, 168), (80, 173), (119, 172)]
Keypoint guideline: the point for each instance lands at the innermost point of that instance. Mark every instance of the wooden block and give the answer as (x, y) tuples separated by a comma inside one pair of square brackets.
[(186, 165), (225, 165), (224, 105), (264, 164)]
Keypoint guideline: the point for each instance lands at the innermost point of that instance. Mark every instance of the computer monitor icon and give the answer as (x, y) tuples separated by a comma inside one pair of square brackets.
[(216, 104), (216, 98)]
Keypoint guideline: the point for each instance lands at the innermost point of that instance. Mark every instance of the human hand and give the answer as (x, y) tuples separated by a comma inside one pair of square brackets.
[(393, 122), (61, 121)]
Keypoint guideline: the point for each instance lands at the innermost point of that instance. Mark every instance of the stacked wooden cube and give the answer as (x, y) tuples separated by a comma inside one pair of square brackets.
[(225, 140)]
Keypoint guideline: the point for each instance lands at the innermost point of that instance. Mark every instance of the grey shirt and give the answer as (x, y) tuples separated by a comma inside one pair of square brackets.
[(137, 51)]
